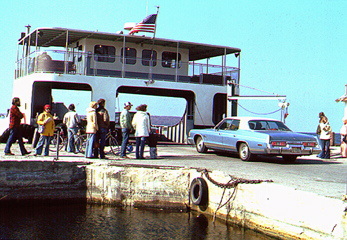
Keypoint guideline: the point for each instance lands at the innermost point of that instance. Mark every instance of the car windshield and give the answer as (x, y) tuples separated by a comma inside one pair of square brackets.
[(267, 125)]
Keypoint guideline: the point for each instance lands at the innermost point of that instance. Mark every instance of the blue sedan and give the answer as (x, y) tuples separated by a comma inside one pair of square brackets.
[(250, 137)]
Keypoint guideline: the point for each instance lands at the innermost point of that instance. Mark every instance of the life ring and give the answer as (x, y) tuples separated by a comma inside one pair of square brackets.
[(198, 192)]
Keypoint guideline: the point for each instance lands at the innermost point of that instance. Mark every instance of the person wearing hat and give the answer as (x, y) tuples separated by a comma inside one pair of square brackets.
[(142, 125), (125, 124), (15, 131), (103, 120), (91, 130), (46, 120)]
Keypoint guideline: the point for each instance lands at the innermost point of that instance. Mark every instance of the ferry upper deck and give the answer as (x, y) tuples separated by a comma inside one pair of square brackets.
[(121, 55)]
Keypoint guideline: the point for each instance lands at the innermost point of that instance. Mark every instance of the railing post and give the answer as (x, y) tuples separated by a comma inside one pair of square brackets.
[(57, 145)]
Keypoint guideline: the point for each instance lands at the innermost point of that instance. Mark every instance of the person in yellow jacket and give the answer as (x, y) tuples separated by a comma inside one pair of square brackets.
[(46, 120)]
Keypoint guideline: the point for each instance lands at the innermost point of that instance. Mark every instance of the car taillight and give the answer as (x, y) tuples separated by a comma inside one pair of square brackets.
[(309, 144), (279, 143)]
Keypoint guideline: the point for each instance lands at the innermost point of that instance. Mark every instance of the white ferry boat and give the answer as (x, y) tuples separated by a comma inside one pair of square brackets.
[(107, 64)]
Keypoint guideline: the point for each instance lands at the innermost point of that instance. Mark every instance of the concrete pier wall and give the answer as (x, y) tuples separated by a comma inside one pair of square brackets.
[(278, 210), (30, 181), (268, 207), (138, 186)]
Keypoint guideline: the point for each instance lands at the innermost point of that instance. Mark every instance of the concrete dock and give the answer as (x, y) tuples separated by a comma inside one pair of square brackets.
[(303, 200)]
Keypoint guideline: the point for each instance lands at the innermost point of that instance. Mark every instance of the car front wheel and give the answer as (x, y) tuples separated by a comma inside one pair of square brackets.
[(245, 153), (200, 145)]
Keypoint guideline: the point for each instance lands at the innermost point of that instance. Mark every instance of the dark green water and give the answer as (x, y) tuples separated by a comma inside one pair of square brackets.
[(97, 222)]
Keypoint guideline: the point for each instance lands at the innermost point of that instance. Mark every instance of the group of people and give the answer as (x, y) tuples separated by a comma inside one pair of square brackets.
[(98, 125), (98, 122)]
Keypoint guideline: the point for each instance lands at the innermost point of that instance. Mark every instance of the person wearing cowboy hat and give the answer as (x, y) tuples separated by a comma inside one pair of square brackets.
[(125, 123)]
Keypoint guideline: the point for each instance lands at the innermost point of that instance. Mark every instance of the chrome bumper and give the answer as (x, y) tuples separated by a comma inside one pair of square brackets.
[(292, 151)]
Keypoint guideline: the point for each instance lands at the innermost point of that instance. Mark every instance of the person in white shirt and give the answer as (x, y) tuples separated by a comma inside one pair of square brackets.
[(71, 120), (325, 137), (142, 126)]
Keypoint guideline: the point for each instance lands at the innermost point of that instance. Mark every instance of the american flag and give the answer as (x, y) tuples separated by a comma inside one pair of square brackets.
[(147, 25)]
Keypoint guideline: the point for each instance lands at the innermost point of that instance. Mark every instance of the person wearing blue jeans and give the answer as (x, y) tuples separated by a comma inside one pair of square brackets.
[(90, 145), (101, 139), (71, 120), (125, 123), (15, 132), (103, 121), (142, 125), (325, 131), (140, 147), (44, 141), (325, 149), (91, 129), (45, 119)]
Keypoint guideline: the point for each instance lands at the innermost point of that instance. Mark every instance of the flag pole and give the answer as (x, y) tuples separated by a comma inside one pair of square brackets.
[(155, 29), (151, 60)]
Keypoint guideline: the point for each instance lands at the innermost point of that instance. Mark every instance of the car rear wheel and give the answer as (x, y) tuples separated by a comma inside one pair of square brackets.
[(289, 158), (200, 145), (245, 153)]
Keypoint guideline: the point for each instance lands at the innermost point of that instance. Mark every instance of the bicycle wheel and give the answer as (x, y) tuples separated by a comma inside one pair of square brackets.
[(113, 143), (80, 143), (53, 145)]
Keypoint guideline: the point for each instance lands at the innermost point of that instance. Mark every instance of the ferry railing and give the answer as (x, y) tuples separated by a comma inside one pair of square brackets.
[(61, 61), (176, 133)]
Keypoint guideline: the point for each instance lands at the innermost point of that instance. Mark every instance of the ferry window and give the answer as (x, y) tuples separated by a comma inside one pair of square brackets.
[(130, 55), (147, 56), (169, 59), (104, 53)]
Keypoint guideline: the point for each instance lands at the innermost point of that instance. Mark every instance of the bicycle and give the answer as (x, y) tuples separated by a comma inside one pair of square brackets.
[(60, 136), (111, 141), (80, 141)]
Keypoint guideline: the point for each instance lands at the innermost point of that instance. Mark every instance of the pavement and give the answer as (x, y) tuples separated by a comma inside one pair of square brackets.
[(325, 177)]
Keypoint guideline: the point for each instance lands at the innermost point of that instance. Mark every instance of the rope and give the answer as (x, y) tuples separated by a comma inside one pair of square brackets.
[(255, 89), (259, 113), (232, 183)]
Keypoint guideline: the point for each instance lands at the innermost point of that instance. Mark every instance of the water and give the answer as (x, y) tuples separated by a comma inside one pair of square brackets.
[(99, 222)]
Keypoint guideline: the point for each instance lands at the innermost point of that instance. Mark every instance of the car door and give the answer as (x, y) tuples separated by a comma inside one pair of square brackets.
[(216, 137), (230, 135)]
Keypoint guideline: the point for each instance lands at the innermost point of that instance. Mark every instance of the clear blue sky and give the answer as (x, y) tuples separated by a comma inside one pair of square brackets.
[(295, 48)]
